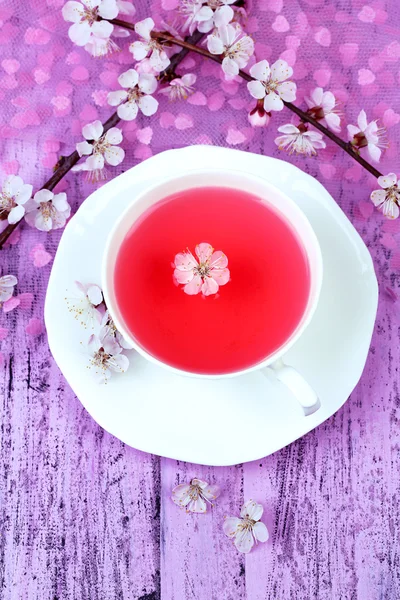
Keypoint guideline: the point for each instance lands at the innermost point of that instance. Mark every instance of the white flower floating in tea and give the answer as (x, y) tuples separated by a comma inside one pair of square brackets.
[(248, 529), (205, 275), (195, 495)]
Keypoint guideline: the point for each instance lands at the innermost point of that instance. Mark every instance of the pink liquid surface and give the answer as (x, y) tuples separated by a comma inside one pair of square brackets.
[(250, 317)]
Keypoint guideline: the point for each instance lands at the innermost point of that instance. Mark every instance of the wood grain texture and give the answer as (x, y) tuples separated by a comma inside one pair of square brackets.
[(85, 517)]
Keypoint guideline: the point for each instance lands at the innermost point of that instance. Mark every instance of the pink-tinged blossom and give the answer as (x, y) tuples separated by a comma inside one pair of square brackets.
[(106, 357), (248, 529), (90, 25), (387, 200), (180, 87), (298, 140), (7, 284), (323, 107), (47, 210), (270, 84), (13, 196), (195, 495), (258, 117), (140, 49), (135, 96), (102, 149), (367, 135), (204, 275), (230, 42)]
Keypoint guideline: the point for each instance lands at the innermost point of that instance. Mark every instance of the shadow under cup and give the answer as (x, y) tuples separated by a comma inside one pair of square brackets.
[(193, 325)]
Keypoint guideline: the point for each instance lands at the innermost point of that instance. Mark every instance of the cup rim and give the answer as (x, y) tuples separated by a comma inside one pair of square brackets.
[(316, 274)]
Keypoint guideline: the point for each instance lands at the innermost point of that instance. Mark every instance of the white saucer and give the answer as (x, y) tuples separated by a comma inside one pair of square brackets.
[(229, 421)]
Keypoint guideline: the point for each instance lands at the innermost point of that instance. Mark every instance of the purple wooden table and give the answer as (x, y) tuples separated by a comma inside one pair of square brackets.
[(83, 516)]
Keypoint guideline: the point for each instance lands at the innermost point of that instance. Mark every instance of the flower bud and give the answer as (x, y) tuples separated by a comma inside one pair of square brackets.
[(258, 117)]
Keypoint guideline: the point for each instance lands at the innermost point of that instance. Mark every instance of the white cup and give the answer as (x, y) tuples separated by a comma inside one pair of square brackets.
[(272, 197)]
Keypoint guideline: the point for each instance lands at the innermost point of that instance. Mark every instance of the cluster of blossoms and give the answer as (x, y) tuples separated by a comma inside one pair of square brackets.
[(45, 210), (105, 347), (271, 86), (244, 530)]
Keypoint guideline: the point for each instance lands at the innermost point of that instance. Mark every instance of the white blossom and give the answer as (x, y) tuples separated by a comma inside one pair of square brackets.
[(106, 357), (14, 195), (190, 9), (180, 87), (298, 140), (103, 149), (108, 328), (214, 13), (7, 284), (195, 495), (135, 95), (248, 529), (158, 57), (387, 199), (90, 25), (47, 210), (367, 135), (323, 107), (270, 84), (233, 45), (85, 305)]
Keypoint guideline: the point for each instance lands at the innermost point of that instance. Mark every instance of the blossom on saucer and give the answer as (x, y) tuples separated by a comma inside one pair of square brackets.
[(89, 27), (135, 96), (214, 13), (236, 48), (387, 199), (195, 495), (106, 357), (103, 149), (205, 275), (367, 135), (158, 57), (322, 106), (14, 194), (47, 210), (248, 529), (298, 140), (7, 284), (180, 87), (85, 305), (270, 83), (109, 328)]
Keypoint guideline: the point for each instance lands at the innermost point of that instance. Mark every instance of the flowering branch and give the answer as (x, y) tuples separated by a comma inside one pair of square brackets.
[(66, 163), (190, 46), (227, 45)]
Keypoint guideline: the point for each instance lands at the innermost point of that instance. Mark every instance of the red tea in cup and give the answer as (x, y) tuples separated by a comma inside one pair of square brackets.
[(249, 318)]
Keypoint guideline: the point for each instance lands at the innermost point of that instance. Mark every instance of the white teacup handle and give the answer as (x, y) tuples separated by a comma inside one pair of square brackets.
[(299, 387)]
